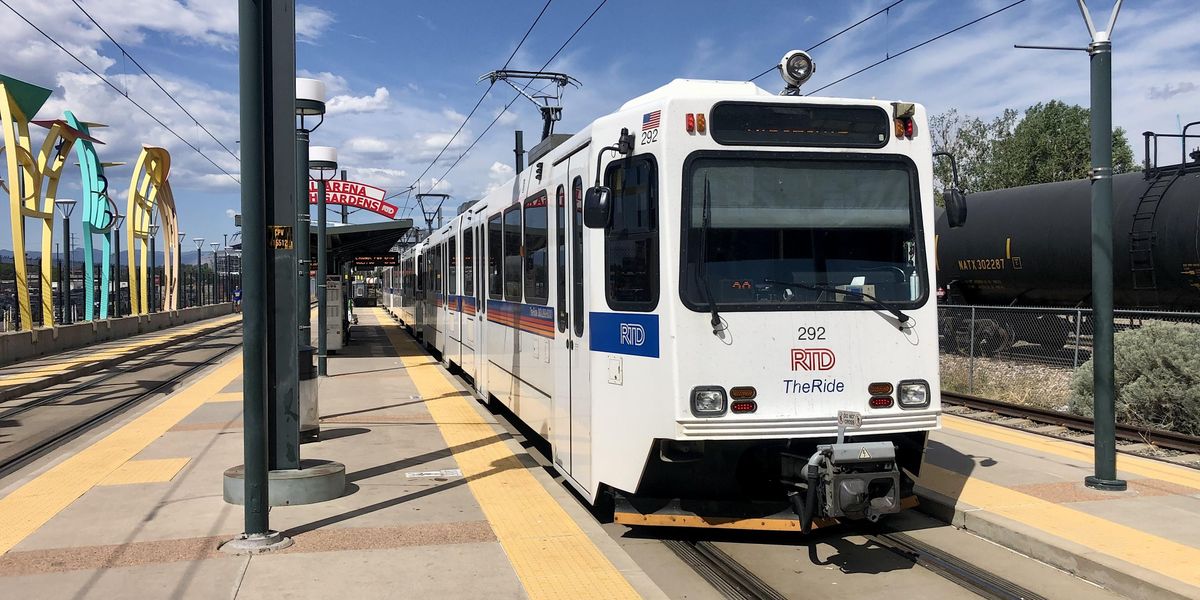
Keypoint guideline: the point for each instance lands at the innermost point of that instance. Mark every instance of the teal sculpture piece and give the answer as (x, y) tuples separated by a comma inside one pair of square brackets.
[(99, 214)]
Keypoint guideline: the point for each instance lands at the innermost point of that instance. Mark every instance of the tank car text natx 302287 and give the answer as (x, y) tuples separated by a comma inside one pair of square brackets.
[(684, 297)]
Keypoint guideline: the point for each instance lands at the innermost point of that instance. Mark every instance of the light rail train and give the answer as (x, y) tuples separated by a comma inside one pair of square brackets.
[(686, 297)]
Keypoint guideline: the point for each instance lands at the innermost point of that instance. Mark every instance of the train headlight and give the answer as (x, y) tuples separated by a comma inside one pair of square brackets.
[(796, 67), (913, 393), (708, 401)]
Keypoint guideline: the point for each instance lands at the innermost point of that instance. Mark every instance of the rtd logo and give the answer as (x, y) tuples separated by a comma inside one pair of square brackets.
[(632, 334), (812, 359)]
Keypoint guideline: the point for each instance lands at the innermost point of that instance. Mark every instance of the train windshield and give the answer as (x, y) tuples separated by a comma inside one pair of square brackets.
[(754, 222)]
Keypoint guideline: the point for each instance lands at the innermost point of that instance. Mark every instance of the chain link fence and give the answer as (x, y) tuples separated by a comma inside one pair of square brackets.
[(1022, 354)]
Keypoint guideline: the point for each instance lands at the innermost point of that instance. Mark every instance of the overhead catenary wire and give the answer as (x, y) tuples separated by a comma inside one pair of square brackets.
[(911, 48), (518, 95), (152, 78), (482, 97), (830, 38), (118, 90)]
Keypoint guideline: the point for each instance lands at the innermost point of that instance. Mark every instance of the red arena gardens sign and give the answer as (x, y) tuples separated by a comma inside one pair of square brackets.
[(352, 193)]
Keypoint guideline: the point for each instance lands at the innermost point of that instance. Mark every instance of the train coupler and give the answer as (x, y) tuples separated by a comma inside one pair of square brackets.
[(853, 480)]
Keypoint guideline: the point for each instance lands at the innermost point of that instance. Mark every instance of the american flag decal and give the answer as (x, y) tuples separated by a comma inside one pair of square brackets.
[(650, 120)]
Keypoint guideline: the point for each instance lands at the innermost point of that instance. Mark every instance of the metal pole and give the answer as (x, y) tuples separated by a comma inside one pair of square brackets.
[(254, 241), (1105, 476), (67, 316), (345, 214), (117, 281), (303, 254), (322, 268), (153, 276), (215, 297), (199, 277)]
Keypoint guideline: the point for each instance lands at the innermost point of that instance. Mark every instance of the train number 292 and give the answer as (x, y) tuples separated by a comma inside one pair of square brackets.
[(811, 333), (649, 137)]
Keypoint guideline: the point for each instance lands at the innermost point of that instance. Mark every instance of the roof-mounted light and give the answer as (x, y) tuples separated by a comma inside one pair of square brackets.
[(796, 68)]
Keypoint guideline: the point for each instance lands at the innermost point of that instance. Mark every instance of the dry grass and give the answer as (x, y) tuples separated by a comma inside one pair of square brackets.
[(1021, 383)]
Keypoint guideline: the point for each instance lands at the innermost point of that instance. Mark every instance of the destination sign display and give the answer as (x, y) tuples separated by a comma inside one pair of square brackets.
[(762, 124), (355, 194), (370, 261)]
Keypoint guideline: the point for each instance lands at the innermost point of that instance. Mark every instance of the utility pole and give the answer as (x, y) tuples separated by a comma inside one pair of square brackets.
[(1103, 367)]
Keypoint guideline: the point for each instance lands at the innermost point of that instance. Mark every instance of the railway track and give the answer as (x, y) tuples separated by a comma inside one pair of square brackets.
[(736, 582), (1160, 438), (81, 396)]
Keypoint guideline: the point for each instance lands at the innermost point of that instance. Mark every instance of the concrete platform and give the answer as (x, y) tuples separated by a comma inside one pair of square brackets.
[(38, 373), (1026, 492), (440, 502)]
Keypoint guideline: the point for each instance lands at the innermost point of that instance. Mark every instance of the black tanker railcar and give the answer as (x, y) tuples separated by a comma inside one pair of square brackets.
[(1031, 246)]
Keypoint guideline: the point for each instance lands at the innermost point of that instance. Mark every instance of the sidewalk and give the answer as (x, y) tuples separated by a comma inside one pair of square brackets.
[(440, 502), (1026, 492)]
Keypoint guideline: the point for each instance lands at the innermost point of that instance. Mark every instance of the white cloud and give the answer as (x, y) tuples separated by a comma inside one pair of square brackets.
[(334, 84), (367, 145), (378, 101), (311, 22), (230, 213)]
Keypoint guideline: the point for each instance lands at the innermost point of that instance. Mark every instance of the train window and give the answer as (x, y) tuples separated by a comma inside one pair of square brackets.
[(577, 252), (560, 244), (512, 254), (631, 242), (437, 269), (537, 259), (420, 275), (452, 271), (495, 259), (468, 266)]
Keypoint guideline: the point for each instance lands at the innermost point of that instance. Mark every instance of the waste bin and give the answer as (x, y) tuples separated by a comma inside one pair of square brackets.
[(310, 416)]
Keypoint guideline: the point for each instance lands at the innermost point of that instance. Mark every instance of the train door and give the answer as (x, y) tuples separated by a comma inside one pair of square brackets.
[(572, 395), (440, 333), (467, 304), (453, 302), (420, 289)]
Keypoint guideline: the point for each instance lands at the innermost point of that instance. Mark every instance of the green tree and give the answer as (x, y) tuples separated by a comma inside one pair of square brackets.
[(1050, 142)]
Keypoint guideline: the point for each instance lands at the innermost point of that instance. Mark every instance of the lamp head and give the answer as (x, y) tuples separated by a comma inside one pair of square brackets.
[(796, 68), (118, 220), (199, 242), (154, 229), (66, 207), (310, 97), (323, 160)]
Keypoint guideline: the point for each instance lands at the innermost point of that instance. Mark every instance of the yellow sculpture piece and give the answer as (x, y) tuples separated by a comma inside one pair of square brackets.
[(150, 192), (30, 179)]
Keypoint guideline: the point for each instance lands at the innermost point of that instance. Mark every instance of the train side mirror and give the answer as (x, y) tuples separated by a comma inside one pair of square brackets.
[(597, 211), (956, 207)]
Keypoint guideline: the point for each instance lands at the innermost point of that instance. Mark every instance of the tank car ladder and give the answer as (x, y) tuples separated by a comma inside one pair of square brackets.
[(1141, 232)]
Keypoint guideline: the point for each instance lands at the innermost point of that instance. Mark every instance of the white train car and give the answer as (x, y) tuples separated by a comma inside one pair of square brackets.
[(686, 297)]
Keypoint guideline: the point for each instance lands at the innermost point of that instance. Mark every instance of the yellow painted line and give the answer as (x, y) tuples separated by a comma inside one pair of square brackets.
[(552, 556), (1132, 464), (1175, 560), (160, 470), (30, 506), (226, 397)]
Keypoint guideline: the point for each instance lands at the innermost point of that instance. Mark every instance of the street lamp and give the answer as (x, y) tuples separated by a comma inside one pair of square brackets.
[(323, 160), (215, 296), (153, 274), (180, 298), (310, 102), (199, 279), (118, 220), (65, 208)]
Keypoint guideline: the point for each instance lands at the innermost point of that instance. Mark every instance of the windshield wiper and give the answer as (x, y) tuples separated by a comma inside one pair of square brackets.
[(829, 288), (702, 267)]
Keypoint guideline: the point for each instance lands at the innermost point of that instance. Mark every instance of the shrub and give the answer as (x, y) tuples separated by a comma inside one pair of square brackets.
[(1157, 378)]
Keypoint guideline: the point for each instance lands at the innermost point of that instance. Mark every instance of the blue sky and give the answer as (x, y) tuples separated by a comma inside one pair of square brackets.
[(402, 75)]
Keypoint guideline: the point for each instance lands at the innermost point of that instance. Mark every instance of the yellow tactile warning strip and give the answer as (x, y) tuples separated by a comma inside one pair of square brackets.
[(30, 506), (552, 556), (226, 397), (1132, 464), (83, 358), (159, 470), (1147, 551)]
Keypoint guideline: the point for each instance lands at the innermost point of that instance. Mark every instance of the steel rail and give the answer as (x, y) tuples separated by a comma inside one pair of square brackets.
[(962, 573), (54, 440), (132, 361), (721, 571), (1135, 433)]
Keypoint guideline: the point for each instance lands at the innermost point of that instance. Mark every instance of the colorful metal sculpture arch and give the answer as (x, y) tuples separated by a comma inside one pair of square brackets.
[(99, 212), (30, 179), (150, 192)]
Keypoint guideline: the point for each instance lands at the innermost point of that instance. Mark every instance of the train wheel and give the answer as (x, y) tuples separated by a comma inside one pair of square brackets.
[(991, 337)]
